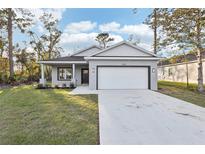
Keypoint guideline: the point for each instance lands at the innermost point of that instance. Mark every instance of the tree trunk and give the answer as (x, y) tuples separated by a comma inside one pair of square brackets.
[(1, 53), (187, 69), (199, 53), (155, 31), (22, 70), (200, 72), (187, 75), (10, 40)]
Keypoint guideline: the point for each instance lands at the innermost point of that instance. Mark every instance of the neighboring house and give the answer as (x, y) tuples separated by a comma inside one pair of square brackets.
[(178, 72), (121, 66)]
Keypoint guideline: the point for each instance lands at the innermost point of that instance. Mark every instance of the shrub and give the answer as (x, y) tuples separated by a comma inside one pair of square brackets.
[(3, 77), (40, 86), (22, 80), (64, 85), (56, 86), (11, 80), (72, 85)]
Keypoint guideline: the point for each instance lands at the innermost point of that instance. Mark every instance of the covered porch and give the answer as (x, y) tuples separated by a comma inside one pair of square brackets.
[(66, 73)]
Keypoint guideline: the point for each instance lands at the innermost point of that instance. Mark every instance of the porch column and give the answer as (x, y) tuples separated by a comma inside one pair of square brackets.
[(73, 68), (42, 80)]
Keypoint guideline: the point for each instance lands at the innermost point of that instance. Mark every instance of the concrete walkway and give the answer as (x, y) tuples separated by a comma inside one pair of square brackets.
[(83, 90), (148, 117)]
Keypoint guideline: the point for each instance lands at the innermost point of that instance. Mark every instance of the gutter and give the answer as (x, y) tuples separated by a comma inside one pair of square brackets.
[(122, 58), (62, 62)]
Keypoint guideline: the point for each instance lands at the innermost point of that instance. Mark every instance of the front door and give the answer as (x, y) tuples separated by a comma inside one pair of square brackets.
[(85, 76)]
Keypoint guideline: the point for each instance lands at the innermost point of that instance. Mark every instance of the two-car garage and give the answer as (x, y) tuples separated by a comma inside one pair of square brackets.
[(122, 67), (123, 77)]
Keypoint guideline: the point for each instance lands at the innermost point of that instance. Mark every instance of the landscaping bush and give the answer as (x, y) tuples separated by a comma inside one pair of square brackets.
[(56, 86), (40, 86), (22, 79), (72, 85), (64, 85), (11, 80), (48, 85), (3, 78)]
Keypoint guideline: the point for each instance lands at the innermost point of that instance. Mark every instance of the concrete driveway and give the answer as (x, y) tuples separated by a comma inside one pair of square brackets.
[(148, 117)]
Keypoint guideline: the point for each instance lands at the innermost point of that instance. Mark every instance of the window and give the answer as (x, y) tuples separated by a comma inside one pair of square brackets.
[(64, 73)]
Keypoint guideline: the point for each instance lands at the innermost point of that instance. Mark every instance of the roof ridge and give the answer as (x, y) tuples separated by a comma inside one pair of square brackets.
[(127, 43), (84, 49)]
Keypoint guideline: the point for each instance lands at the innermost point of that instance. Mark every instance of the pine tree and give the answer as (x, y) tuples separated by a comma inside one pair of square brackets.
[(14, 18), (103, 39), (186, 30), (156, 20)]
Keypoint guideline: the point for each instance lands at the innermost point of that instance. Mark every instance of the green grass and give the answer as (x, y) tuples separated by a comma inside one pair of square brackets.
[(181, 91), (51, 116)]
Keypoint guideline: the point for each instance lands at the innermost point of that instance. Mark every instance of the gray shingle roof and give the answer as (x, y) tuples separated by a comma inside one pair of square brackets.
[(68, 58)]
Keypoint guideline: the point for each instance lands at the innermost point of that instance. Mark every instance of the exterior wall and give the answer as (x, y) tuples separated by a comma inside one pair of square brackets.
[(123, 50), (93, 70), (78, 73), (88, 52), (55, 80), (177, 72)]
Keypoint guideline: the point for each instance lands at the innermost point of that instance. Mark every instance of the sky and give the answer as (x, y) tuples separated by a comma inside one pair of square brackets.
[(80, 26)]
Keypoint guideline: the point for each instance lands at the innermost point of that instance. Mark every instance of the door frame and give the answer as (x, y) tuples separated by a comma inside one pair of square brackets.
[(146, 66), (82, 75)]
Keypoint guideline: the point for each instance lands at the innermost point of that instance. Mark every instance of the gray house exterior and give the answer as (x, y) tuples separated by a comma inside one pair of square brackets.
[(181, 72), (121, 66)]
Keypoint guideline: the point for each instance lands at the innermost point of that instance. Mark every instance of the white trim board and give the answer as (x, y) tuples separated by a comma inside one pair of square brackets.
[(175, 64), (122, 58), (62, 62)]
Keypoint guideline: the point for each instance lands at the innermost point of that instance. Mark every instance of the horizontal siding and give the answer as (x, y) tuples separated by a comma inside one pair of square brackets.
[(177, 72)]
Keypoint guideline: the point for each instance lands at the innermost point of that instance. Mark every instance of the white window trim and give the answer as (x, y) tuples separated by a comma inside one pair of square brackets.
[(58, 73)]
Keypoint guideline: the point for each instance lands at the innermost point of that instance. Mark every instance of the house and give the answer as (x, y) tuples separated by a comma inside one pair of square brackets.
[(121, 66), (181, 72)]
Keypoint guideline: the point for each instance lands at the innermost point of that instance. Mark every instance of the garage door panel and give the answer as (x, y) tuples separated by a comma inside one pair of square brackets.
[(123, 78)]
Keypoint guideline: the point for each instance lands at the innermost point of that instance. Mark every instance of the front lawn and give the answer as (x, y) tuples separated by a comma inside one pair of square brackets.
[(47, 116), (180, 90)]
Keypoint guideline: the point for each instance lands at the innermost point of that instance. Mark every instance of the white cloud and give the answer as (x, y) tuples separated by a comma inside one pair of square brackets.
[(77, 27), (140, 29), (78, 38), (57, 13), (40, 28), (110, 27), (77, 35), (117, 38), (146, 46), (73, 42)]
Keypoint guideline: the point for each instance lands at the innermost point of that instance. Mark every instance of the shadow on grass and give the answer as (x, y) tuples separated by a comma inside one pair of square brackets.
[(31, 116), (179, 91)]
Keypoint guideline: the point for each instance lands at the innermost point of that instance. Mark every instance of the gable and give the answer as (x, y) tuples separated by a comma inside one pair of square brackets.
[(124, 50), (88, 52)]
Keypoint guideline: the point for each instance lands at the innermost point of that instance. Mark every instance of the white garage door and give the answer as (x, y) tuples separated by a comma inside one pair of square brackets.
[(123, 78)]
